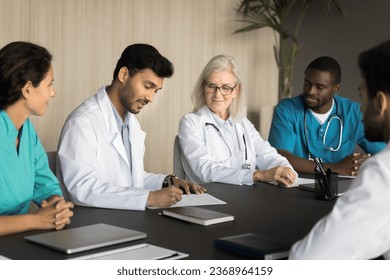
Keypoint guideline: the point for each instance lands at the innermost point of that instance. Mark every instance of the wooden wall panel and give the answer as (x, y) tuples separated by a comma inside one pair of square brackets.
[(86, 38)]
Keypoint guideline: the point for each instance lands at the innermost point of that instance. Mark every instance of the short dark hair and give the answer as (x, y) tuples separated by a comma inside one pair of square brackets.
[(374, 66), (21, 62), (327, 64), (138, 57)]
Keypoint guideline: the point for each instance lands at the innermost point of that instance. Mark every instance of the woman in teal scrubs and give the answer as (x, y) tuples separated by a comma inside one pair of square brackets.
[(26, 87)]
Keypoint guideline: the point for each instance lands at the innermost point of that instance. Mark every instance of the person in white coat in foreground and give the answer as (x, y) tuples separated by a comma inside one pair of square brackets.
[(359, 225), (218, 142), (101, 146)]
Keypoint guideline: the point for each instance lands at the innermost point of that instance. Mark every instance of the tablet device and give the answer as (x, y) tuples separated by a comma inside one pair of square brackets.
[(84, 238)]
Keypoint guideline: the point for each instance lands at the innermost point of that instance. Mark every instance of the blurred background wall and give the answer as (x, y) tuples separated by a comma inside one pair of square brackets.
[(86, 38), (342, 37)]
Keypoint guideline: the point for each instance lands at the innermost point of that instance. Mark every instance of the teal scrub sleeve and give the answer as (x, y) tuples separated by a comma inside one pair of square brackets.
[(282, 134)]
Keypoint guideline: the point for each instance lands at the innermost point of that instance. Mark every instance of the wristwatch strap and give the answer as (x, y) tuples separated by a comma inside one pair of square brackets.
[(167, 180)]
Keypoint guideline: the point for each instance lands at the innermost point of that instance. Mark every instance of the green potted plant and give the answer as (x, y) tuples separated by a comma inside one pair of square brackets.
[(273, 14)]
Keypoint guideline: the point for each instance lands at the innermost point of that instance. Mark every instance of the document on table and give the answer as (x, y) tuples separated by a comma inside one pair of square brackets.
[(307, 181), (347, 176), (195, 200), (302, 181)]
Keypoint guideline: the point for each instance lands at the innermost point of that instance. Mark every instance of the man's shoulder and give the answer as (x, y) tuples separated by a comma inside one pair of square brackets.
[(379, 162), (293, 107), (383, 156), (86, 109), (346, 101), (294, 103), (347, 105)]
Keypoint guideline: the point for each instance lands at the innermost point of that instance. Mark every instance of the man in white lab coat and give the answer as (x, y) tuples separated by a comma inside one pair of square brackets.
[(359, 225), (101, 146)]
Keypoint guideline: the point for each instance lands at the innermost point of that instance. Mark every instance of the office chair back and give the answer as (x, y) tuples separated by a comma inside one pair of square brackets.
[(52, 157), (53, 162), (177, 165)]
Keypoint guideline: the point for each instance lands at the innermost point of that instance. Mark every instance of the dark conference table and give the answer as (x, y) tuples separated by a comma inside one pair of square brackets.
[(275, 212)]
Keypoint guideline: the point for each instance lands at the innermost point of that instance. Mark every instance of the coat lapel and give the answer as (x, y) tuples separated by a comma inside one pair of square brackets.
[(137, 139), (110, 123)]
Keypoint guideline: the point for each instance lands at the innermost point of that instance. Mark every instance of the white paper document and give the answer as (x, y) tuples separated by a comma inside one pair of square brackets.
[(302, 181), (195, 200), (347, 176)]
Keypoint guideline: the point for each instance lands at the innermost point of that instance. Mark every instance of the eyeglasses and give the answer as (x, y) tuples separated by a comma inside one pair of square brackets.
[(224, 89)]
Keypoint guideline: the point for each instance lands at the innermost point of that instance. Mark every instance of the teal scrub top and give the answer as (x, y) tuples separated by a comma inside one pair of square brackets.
[(26, 176), (287, 130)]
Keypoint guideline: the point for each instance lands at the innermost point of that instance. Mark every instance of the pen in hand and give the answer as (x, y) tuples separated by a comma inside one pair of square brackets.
[(172, 181)]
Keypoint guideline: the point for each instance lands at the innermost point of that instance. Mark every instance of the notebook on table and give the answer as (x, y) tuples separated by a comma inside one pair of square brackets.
[(198, 215), (84, 238)]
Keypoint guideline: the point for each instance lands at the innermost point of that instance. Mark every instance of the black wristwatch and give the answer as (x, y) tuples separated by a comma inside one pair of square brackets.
[(168, 179)]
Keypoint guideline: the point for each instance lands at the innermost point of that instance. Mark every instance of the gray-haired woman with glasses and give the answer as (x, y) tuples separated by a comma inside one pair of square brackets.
[(218, 142)]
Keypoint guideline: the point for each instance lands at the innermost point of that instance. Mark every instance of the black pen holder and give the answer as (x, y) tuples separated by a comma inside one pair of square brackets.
[(326, 186)]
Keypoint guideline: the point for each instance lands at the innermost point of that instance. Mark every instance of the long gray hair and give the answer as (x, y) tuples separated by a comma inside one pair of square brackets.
[(220, 63)]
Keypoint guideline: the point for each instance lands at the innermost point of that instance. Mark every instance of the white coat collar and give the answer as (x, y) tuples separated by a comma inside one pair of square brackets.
[(207, 116), (137, 136), (106, 108)]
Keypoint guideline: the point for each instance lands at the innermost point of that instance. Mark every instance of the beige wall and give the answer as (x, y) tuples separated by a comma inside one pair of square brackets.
[(86, 38)]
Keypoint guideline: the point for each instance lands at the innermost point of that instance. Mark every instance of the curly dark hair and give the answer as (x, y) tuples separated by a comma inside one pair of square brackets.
[(374, 66)]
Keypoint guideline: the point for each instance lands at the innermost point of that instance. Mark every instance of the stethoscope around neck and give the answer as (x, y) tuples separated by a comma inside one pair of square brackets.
[(332, 117), (246, 165)]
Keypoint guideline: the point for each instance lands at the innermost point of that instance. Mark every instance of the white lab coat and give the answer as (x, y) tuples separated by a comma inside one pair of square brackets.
[(359, 225), (206, 157), (93, 159)]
